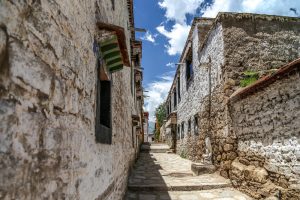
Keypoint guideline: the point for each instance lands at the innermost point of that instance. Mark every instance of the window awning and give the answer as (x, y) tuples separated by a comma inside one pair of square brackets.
[(113, 47), (111, 53)]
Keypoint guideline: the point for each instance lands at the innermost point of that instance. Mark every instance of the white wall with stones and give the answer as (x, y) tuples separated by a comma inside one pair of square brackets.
[(192, 97), (47, 103), (268, 130)]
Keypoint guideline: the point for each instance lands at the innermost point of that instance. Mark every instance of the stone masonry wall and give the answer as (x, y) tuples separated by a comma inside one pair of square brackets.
[(255, 43), (237, 43), (193, 96), (47, 103), (266, 124)]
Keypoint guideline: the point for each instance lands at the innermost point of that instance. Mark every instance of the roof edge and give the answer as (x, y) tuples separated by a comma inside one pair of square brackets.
[(282, 72)]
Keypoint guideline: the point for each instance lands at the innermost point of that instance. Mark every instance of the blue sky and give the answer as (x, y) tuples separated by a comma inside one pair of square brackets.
[(168, 22)]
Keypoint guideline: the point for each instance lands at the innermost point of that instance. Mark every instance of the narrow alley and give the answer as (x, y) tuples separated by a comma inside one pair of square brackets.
[(149, 100), (161, 175)]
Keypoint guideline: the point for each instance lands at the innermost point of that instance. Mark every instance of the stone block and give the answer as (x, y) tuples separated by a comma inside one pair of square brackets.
[(224, 173), (260, 175), (230, 140), (224, 156), (200, 168), (228, 147), (58, 94), (27, 69), (231, 155), (226, 164), (244, 161)]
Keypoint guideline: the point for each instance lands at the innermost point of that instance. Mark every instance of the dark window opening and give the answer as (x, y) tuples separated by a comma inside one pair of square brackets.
[(103, 111), (137, 60), (132, 79), (168, 109), (189, 125), (175, 98), (132, 135), (196, 125), (178, 88), (178, 132), (113, 4), (189, 66), (182, 130)]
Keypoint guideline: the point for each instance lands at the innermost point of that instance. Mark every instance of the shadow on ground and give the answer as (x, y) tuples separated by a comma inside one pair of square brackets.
[(146, 182), (158, 175)]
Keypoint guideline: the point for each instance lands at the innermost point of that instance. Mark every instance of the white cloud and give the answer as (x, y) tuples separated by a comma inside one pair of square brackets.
[(177, 9), (172, 65), (157, 92), (176, 37), (149, 37), (272, 7)]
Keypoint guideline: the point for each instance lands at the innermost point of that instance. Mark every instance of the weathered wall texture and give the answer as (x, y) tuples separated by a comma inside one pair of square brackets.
[(192, 96), (236, 43), (266, 124), (251, 43), (47, 103)]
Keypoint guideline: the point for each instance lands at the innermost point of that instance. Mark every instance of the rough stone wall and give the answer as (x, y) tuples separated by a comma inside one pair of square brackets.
[(266, 124), (251, 43), (47, 103), (237, 43), (193, 97), (258, 42)]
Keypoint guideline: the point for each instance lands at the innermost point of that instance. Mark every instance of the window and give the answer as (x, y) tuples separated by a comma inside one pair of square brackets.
[(189, 66), (137, 61), (132, 135), (189, 126), (178, 132), (103, 111), (196, 125), (182, 130), (113, 4), (132, 79), (168, 109), (178, 88), (175, 98)]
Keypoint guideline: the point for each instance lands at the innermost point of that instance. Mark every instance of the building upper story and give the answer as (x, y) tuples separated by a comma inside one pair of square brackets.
[(219, 51)]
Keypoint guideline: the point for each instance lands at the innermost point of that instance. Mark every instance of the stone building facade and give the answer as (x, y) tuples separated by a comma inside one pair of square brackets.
[(217, 55), (70, 112), (265, 118)]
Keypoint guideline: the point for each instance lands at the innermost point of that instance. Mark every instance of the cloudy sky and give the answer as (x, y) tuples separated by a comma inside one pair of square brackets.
[(168, 23)]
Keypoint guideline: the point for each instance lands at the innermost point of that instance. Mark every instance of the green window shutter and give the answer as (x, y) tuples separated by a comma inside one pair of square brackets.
[(111, 53)]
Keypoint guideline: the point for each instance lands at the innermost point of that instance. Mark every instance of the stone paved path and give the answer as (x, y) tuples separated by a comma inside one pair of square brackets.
[(163, 176), (214, 194)]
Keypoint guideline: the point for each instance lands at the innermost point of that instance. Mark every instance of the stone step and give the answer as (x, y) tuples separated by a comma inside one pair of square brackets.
[(224, 193), (199, 168), (183, 187), (155, 148), (178, 182)]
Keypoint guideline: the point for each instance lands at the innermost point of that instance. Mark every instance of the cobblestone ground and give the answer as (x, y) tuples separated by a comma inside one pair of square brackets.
[(163, 176)]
